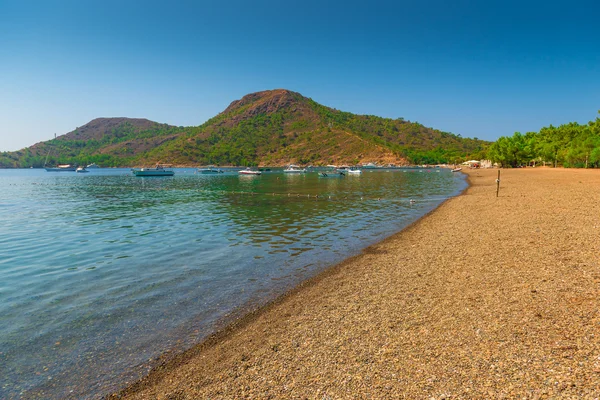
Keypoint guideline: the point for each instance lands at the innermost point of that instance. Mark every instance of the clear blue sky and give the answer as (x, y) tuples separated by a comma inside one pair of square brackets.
[(476, 68)]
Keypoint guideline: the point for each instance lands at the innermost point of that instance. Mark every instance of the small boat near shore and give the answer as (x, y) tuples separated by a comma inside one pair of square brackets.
[(159, 170), (59, 167), (457, 169), (81, 170), (62, 168), (93, 165), (346, 170), (294, 169), (249, 171), (210, 170)]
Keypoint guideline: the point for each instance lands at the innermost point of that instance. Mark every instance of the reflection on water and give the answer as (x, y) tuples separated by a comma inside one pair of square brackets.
[(101, 273)]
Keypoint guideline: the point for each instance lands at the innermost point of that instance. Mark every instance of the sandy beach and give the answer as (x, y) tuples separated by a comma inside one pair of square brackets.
[(486, 297)]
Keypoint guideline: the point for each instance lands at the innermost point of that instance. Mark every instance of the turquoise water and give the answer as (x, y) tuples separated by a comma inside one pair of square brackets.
[(101, 273)]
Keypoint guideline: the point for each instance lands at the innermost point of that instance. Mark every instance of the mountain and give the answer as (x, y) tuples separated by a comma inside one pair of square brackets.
[(274, 127)]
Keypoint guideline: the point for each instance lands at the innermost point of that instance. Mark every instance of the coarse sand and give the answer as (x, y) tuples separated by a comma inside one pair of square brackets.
[(486, 297)]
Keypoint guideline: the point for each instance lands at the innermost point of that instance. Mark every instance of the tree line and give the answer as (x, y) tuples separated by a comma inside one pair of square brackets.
[(570, 145)]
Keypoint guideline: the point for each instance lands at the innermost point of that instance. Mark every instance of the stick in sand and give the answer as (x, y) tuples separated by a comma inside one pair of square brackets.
[(498, 184)]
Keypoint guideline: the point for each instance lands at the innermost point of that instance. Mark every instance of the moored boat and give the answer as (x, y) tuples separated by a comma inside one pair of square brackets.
[(370, 166), (62, 168), (81, 170), (344, 169), (294, 169), (159, 170), (93, 165), (210, 170), (249, 171)]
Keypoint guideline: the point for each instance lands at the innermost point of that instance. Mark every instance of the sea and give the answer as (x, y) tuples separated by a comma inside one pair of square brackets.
[(103, 274)]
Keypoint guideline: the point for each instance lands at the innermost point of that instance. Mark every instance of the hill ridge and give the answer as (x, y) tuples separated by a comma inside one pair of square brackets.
[(270, 127)]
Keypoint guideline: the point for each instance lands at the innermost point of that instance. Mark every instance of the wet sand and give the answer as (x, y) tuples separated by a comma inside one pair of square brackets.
[(483, 298)]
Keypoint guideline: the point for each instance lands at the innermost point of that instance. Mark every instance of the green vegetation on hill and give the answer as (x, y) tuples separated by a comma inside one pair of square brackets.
[(280, 127), (410, 140), (109, 142), (569, 145), (274, 127)]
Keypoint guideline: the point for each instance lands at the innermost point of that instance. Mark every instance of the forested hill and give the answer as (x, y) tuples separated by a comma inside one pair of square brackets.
[(109, 142), (275, 127)]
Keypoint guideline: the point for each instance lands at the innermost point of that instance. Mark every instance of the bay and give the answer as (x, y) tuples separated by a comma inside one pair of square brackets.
[(101, 273)]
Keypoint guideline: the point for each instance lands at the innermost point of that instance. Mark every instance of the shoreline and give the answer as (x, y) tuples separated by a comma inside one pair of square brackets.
[(240, 318), (349, 332)]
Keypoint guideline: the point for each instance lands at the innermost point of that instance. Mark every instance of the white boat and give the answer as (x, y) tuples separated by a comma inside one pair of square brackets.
[(81, 170), (210, 170), (294, 169), (159, 170), (346, 170), (249, 171), (93, 165), (61, 168), (457, 169), (370, 166)]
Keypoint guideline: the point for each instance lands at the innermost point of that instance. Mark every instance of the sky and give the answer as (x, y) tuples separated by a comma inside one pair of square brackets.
[(480, 69)]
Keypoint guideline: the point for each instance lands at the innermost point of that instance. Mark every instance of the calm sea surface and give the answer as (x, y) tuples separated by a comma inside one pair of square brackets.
[(100, 273)]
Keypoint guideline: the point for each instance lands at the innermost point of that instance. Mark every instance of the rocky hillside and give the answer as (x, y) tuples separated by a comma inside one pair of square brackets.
[(275, 127)]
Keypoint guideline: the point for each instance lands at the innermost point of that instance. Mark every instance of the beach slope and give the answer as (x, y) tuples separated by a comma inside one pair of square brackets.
[(486, 297)]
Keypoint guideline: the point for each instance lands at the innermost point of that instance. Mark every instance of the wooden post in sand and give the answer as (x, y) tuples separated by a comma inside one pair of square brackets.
[(498, 184)]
